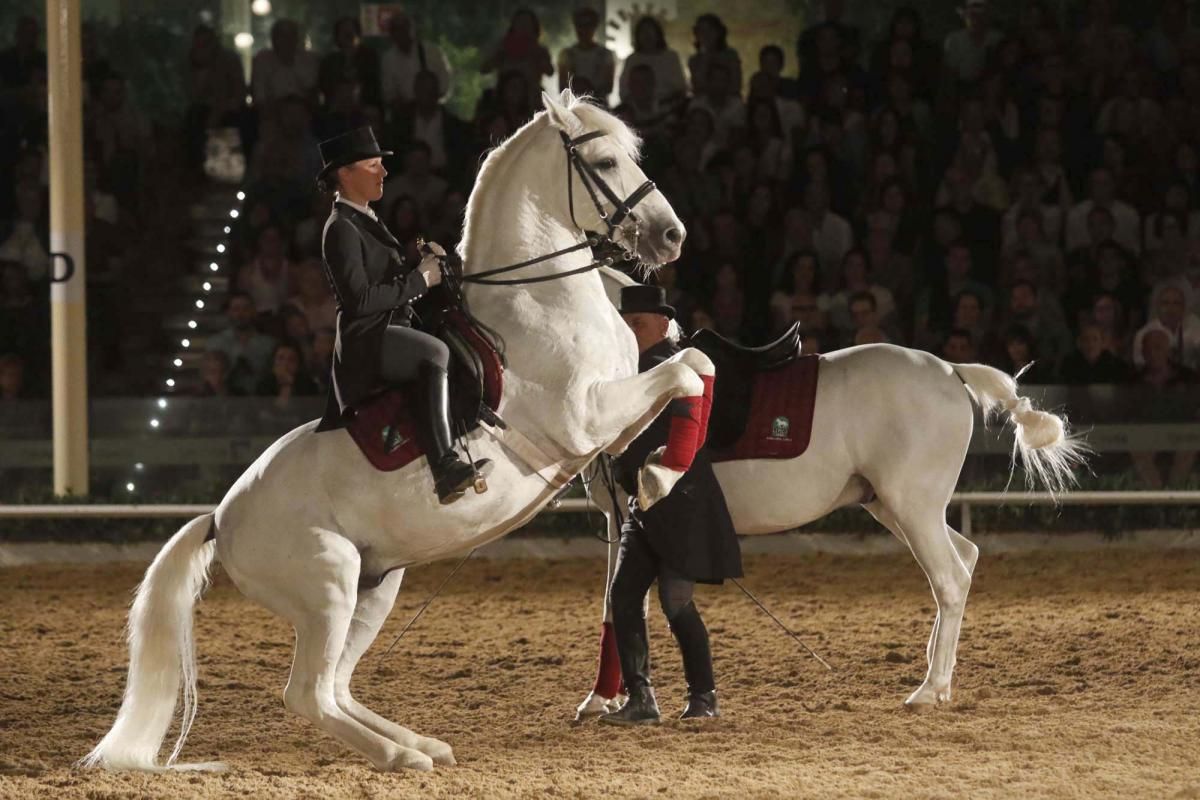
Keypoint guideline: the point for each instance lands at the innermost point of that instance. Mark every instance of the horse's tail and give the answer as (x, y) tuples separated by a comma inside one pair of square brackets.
[(161, 655), (1043, 443)]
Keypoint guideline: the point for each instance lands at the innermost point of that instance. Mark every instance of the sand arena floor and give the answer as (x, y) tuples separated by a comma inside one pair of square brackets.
[(1078, 676)]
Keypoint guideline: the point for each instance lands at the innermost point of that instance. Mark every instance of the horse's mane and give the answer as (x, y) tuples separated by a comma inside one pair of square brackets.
[(593, 118)]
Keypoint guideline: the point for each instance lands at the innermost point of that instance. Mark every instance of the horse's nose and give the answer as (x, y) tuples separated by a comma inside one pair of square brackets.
[(675, 236)]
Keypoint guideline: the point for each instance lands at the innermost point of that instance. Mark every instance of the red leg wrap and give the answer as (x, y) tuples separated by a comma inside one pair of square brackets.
[(608, 677), (705, 408), (684, 438)]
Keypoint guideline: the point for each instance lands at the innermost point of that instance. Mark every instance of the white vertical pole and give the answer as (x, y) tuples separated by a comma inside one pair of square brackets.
[(68, 294)]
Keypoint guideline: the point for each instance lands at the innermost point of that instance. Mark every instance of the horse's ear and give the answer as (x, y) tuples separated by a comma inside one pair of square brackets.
[(561, 117), (566, 97)]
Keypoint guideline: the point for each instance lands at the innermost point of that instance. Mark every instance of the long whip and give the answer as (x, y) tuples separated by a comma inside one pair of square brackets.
[(424, 606), (786, 629)]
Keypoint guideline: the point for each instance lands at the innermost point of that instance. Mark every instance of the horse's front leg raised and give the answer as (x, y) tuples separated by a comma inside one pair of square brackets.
[(622, 409)]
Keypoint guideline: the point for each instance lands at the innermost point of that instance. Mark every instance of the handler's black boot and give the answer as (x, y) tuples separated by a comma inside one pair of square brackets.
[(692, 637), (451, 475), (633, 649), (640, 709), (701, 705)]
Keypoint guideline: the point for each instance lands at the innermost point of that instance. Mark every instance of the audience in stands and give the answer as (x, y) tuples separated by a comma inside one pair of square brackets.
[(1026, 193)]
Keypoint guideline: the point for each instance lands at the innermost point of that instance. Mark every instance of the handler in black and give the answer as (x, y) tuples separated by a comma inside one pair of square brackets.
[(686, 537), (376, 342)]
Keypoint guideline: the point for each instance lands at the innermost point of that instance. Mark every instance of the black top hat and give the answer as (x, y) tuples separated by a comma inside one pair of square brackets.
[(639, 299), (356, 145)]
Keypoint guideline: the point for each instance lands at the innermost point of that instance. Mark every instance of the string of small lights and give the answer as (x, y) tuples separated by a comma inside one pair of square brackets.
[(171, 383)]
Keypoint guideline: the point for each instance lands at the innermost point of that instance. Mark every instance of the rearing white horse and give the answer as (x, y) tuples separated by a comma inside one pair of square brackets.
[(890, 430), (314, 533)]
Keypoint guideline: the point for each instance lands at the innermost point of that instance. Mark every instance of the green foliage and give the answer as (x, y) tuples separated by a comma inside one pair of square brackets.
[(469, 84)]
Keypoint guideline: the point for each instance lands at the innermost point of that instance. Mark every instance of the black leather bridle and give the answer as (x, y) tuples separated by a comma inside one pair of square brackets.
[(596, 186)]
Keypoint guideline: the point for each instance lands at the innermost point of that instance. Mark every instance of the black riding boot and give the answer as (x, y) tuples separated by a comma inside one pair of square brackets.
[(633, 649), (451, 475), (692, 637)]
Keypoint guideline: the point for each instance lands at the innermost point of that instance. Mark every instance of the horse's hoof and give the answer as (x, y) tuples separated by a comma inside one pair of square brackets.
[(926, 698), (410, 759), (592, 706), (441, 753)]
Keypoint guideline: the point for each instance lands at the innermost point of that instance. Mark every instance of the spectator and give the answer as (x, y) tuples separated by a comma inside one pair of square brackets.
[(712, 47), (287, 377), (521, 51), (643, 111), (122, 141), (214, 376), (1103, 195), (12, 377), (959, 347), (856, 278), (25, 243), (20, 64), (766, 136), (650, 48), (446, 136), (729, 303), (966, 51), (1029, 199), (216, 89), (980, 223), (1108, 315), (1050, 336), (1170, 256), (286, 69), (249, 352), (1019, 357), (786, 90), (932, 315), (801, 283), (417, 181), (353, 62), (1177, 199), (587, 65), (1162, 372), (721, 100), (313, 298), (832, 236), (920, 60), (864, 320), (1181, 328), (827, 48), (403, 60), (1091, 362), (969, 314), (1173, 39), (342, 109), (267, 278)]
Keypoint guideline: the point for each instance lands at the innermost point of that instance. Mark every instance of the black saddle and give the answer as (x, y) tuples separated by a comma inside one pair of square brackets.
[(736, 366)]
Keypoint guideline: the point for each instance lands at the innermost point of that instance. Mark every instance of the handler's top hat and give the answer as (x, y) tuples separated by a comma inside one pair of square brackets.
[(639, 299), (355, 145)]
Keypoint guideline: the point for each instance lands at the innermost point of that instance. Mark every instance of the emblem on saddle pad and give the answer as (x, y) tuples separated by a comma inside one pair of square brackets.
[(393, 440), (780, 427)]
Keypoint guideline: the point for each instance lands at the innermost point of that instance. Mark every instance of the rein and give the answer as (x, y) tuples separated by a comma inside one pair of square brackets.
[(593, 182)]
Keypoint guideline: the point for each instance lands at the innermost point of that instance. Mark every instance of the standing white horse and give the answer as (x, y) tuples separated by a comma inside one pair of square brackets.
[(890, 430), (314, 533)]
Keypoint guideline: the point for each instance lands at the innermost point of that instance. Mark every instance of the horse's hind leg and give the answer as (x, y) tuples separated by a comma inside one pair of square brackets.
[(372, 610), (320, 602), (948, 564)]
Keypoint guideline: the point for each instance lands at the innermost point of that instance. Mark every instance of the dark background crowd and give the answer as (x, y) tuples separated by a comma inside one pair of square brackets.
[(1024, 192)]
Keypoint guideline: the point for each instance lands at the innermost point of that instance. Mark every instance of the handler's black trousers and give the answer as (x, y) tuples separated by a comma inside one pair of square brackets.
[(637, 568), (405, 349)]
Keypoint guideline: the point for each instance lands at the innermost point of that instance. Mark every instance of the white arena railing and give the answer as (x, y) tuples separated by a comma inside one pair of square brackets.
[(965, 500)]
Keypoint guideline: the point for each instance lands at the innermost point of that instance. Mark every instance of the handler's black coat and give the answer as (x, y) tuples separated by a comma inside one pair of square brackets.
[(370, 280), (689, 529)]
